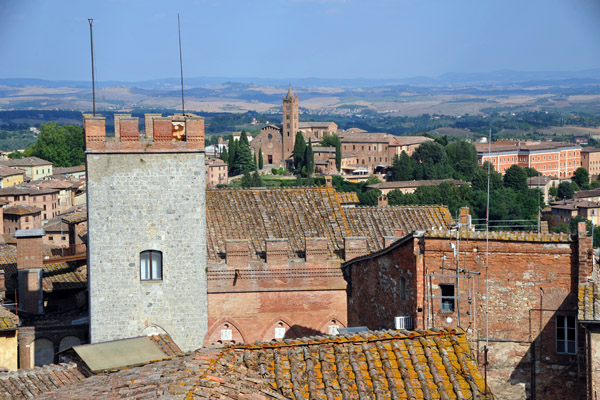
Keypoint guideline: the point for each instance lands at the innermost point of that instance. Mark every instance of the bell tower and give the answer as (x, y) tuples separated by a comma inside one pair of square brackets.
[(290, 123)]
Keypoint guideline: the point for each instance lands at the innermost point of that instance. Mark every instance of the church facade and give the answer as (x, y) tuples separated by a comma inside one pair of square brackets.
[(276, 141)]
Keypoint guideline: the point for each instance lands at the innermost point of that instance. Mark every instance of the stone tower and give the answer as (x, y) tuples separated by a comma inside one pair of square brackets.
[(290, 123), (147, 229)]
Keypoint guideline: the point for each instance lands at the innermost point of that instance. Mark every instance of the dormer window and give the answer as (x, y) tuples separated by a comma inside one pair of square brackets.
[(151, 265)]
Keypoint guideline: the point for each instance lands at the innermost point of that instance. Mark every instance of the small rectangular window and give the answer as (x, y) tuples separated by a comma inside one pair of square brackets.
[(402, 288), (150, 265), (566, 334), (447, 297)]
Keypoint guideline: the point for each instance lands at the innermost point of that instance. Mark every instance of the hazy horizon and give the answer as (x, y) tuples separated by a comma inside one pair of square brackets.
[(136, 40)]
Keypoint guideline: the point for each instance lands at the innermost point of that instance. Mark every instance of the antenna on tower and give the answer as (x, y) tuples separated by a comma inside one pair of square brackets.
[(90, 20), (181, 66)]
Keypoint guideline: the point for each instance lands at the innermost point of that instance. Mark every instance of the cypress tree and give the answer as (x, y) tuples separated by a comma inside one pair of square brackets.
[(338, 155), (299, 151), (243, 156), (309, 159), (260, 159), (231, 155), (224, 155)]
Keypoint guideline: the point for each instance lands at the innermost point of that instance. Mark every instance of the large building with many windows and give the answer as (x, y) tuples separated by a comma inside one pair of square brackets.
[(556, 159)]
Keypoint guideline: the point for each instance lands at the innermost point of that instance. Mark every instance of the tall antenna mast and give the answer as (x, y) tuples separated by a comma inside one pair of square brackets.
[(90, 20), (487, 258), (181, 66)]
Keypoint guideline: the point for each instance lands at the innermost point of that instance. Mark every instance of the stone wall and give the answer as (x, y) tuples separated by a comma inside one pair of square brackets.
[(147, 201)]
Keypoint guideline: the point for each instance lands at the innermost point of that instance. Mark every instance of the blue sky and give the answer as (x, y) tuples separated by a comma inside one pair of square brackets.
[(137, 39)]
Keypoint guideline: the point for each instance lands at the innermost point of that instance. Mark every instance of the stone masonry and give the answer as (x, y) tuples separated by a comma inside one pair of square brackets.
[(146, 196)]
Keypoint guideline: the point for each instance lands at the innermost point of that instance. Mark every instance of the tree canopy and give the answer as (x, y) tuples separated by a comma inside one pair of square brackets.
[(62, 145), (299, 151)]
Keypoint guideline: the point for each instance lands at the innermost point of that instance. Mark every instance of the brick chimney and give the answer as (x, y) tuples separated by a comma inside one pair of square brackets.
[(354, 247), (30, 261), (464, 219), (585, 253), (277, 252), (382, 200), (236, 253), (328, 181), (316, 250)]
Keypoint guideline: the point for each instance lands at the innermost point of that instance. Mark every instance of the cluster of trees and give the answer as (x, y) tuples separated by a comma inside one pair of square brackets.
[(304, 157), (437, 160), (240, 161), (510, 197), (62, 145)]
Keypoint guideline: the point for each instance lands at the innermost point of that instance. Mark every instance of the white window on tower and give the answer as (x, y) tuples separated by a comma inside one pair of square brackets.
[(151, 265)]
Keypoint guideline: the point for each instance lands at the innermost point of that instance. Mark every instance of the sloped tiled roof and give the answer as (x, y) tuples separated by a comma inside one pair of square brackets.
[(56, 276), (259, 214), (299, 213), (8, 320), (381, 364), (377, 222), (31, 383), (78, 216), (26, 162)]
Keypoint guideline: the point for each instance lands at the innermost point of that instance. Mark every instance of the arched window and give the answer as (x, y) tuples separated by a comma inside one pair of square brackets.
[(151, 265)]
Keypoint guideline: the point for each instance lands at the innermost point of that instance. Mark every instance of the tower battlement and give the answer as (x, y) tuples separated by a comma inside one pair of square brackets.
[(176, 133)]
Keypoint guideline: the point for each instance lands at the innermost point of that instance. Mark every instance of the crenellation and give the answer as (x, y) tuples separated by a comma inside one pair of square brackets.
[(177, 133)]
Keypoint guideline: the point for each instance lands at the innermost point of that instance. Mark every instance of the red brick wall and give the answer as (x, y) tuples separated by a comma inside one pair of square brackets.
[(255, 315), (29, 253), (130, 129), (529, 284)]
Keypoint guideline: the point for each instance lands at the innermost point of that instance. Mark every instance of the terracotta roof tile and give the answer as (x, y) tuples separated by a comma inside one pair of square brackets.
[(31, 383), (299, 213), (56, 276), (8, 320), (377, 222), (382, 364)]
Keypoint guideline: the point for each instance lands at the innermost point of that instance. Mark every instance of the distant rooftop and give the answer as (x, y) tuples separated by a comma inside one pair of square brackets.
[(26, 162)]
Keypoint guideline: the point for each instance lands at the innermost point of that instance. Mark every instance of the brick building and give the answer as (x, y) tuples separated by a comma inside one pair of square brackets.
[(274, 257), (277, 141), (563, 211), (46, 199), (531, 308), (378, 149), (21, 217), (590, 160), (548, 158), (216, 172), (146, 228)]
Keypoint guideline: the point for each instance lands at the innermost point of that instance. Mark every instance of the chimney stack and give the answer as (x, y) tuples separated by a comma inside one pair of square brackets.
[(354, 247), (236, 253), (277, 252), (316, 250), (30, 263), (464, 219)]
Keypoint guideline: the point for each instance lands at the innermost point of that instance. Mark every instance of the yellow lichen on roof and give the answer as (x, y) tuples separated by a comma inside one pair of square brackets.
[(8, 320)]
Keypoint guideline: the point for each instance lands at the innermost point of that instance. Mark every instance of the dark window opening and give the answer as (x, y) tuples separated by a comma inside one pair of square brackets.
[(447, 297), (566, 334), (151, 265)]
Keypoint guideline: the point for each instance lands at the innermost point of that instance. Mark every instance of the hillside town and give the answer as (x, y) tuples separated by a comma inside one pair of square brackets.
[(145, 272), (303, 200)]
